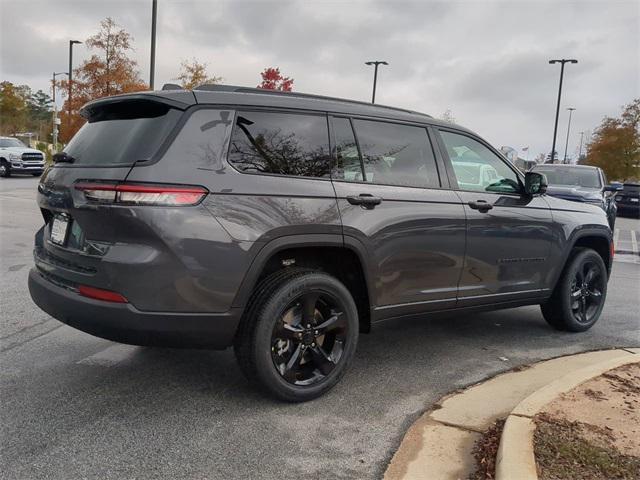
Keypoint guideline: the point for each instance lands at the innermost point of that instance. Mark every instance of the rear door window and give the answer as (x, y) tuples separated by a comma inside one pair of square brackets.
[(280, 143), (119, 134), (395, 154)]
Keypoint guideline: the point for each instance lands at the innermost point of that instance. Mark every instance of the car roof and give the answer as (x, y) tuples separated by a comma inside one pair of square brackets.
[(563, 165), (254, 97)]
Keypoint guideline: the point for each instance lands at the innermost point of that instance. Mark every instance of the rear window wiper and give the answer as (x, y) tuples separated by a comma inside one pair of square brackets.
[(63, 157)]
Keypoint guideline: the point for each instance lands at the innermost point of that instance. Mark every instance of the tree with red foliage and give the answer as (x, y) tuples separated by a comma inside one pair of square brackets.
[(272, 79)]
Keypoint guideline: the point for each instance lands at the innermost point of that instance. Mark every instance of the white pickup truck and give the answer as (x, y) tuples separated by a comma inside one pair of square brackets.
[(16, 157)]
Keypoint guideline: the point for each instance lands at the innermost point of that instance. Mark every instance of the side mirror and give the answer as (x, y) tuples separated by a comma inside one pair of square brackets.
[(613, 187), (535, 183)]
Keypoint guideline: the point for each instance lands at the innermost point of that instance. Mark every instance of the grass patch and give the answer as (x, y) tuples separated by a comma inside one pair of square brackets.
[(563, 453)]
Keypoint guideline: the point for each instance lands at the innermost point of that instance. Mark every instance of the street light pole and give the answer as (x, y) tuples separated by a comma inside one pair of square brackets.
[(580, 149), (154, 15), (555, 128), (70, 74), (55, 111), (375, 63), (566, 145)]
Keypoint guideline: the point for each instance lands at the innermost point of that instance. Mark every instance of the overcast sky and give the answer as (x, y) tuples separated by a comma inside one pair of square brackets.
[(486, 61)]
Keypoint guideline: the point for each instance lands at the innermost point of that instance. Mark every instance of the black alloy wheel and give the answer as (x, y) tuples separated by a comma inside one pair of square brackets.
[(308, 339), (586, 291), (579, 295), (298, 335)]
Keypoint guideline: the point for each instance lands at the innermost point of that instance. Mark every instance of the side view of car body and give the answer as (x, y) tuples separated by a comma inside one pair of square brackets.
[(581, 183), (285, 224), (16, 157)]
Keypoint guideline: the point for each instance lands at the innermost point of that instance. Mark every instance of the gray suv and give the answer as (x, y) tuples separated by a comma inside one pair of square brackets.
[(285, 224)]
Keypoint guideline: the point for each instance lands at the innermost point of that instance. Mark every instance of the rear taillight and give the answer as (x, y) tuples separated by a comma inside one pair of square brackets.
[(141, 194)]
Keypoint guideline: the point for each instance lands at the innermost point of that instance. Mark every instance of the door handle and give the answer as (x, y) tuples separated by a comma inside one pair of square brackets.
[(481, 205), (365, 200)]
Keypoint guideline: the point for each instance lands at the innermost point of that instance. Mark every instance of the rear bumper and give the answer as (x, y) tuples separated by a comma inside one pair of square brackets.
[(125, 324)]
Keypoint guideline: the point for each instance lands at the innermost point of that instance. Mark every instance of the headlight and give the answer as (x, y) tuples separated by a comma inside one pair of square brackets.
[(13, 156)]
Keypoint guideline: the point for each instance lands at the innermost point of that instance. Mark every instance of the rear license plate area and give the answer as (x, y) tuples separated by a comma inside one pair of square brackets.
[(59, 229)]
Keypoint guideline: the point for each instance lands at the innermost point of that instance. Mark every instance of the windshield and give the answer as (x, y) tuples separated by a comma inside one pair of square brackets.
[(11, 142), (582, 177), (121, 134)]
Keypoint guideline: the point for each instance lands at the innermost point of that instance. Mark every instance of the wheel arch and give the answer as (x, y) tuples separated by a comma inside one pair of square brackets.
[(599, 240), (344, 258)]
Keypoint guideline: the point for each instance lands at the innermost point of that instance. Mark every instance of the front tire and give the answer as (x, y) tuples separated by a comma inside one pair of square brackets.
[(5, 169), (298, 335), (579, 296)]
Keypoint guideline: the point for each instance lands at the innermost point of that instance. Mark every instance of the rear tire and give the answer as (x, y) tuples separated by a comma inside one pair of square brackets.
[(298, 335), (579, 296)]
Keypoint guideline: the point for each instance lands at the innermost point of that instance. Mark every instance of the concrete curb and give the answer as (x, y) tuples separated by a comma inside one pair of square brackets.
[(516, 457), (439, 444)]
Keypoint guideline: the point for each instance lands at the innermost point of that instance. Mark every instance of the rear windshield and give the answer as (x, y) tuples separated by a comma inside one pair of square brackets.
[(583, 177), (122, 133), (631, 187)]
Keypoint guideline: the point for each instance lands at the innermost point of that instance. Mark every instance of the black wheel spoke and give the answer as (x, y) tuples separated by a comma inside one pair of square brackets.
[(309, 301), (322, 360), (591, 274), (291, 368), (287, 331), (596, 296), (329, 323), (583, 309)]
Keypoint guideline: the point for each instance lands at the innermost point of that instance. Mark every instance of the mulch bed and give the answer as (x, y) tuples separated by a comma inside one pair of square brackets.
[(485, 451)]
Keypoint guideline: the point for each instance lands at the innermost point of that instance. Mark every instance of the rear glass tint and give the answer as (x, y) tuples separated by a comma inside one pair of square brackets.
[(121, 134)]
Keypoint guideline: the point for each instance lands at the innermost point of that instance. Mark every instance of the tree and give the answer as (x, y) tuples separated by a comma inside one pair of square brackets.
[(194, 74), (21, 111), (539, 158), (272, 79), (13, 109), (447, 116), (40, 105), (109, 71), (615, 144)]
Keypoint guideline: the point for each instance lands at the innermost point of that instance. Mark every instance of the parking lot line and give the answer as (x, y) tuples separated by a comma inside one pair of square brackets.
[(616, 235), (634, 242)]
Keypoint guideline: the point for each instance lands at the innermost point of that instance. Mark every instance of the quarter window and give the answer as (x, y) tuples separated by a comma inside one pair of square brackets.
[(281, 144), (478, 168), (395, 154)]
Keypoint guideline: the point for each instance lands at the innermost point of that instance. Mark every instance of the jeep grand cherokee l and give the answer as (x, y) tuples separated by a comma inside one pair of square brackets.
[(285, 224)]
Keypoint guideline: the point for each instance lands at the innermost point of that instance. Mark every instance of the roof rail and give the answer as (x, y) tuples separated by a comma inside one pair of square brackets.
[(263, 91), (171, 86)]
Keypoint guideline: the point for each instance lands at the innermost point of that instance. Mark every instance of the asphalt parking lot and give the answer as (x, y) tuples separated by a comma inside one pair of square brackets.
[(75, 406)]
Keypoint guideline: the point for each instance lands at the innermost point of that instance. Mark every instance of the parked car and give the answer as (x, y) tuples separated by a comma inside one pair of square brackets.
[(285, 224), (581, 183), (16, 157), (628, 200)]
